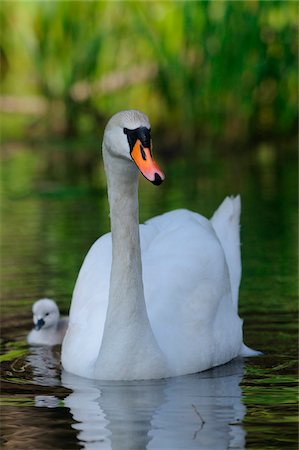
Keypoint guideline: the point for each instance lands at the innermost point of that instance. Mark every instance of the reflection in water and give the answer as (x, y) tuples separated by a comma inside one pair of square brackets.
[(200, 411), (160, 414), (45, 365), (33, 416)]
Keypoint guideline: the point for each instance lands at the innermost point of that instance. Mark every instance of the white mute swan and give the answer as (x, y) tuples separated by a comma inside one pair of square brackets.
[(49, 328), (159, 299)]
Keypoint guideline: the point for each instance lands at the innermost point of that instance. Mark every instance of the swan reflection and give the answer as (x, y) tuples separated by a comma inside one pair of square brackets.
[(201, 411)]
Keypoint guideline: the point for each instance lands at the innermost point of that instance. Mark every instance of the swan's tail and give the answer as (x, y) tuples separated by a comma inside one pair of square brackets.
[(246, 351), (226, 223)]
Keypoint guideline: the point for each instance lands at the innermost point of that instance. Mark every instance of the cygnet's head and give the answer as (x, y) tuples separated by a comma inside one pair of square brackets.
[(45, 314), (128, 136)]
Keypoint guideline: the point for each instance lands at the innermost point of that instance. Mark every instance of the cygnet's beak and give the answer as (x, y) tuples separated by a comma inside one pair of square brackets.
[(145, 162), (40, 323)]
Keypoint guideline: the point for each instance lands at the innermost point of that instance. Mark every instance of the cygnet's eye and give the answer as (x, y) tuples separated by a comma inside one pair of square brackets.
[(47, 314)]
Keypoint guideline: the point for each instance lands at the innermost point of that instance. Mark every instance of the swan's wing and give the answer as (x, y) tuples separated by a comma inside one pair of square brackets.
[(88, 309), (187, 291)]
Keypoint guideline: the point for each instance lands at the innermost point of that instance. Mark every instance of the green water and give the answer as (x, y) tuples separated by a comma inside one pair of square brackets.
[(53, 208)]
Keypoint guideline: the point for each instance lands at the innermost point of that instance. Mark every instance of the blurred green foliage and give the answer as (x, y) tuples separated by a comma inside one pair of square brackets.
[(220, 70)]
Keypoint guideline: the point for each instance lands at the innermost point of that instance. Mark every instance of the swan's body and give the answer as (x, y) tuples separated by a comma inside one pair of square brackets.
[(49, 328), (174, 315)]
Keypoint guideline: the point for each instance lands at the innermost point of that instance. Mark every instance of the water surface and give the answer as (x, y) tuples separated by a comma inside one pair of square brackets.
[(53, 208)]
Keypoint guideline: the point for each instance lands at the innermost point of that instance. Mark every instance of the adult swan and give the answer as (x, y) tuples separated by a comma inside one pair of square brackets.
[(159, 299)]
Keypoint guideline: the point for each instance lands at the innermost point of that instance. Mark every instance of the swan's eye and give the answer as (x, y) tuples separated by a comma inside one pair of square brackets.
[(131, 136), (47, 314)]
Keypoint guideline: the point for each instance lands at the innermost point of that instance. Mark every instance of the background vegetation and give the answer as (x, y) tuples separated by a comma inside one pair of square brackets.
[(213, 70)]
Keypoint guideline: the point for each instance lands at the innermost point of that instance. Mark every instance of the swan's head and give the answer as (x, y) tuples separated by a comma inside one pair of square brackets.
[(128, 136), (45, 314)]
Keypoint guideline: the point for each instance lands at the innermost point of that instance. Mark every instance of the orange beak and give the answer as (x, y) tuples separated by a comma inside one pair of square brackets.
[(145, 162)]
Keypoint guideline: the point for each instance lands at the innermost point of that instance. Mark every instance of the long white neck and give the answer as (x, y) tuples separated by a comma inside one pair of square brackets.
[(128, 349), (126, 296)]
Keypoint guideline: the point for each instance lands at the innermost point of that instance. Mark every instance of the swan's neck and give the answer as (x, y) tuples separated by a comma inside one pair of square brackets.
[(128, 339), (126, 296)]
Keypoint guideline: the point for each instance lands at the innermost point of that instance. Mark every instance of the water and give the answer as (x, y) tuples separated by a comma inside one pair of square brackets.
[(53, 208)]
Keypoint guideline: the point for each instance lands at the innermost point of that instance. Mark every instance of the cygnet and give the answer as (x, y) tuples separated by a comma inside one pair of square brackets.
[(49, 328)]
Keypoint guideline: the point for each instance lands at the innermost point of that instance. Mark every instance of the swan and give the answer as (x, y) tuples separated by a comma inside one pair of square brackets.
[(159, 299), (49, 328)]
